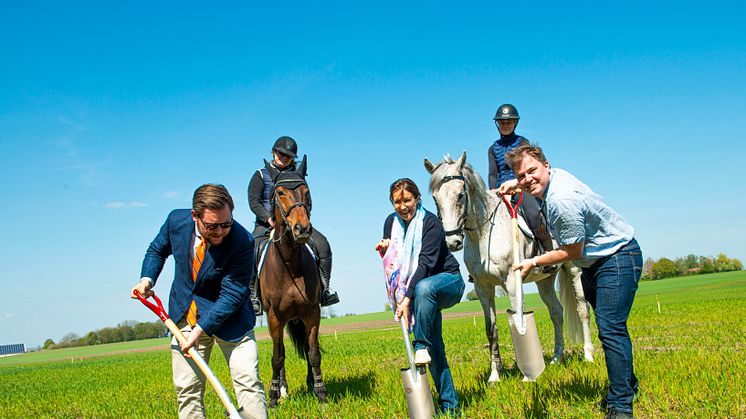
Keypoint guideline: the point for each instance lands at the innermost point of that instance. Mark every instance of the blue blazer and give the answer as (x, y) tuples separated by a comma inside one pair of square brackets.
[(221, 290)]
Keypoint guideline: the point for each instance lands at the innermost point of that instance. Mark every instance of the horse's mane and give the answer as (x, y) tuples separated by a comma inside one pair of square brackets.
[(474, 184)]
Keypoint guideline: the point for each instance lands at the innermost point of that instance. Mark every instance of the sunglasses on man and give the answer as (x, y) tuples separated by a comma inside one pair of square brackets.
[(213, 226)]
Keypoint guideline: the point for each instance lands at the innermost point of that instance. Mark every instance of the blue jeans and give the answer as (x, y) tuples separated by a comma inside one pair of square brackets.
[(610, 285), (431, 295)]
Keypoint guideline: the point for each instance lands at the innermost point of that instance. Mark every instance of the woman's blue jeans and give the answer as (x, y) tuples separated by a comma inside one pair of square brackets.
[(431, 295), (610, 285)]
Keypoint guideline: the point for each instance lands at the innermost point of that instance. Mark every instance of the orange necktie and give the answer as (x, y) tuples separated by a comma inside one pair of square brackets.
[(196, 264)]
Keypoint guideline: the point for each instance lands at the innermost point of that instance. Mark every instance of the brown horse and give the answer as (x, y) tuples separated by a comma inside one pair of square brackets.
[(290, 286)]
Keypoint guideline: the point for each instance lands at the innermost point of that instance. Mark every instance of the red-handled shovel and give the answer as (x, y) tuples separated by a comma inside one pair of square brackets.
[(161, 313), (528, 353)]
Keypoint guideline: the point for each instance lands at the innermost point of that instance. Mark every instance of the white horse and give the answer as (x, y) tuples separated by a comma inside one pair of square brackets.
[(479, 222)]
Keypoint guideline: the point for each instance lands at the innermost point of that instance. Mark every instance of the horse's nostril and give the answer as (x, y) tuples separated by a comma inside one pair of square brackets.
[(299, 229)]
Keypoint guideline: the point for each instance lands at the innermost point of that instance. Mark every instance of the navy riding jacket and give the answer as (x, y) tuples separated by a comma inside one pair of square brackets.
[(500, 171)]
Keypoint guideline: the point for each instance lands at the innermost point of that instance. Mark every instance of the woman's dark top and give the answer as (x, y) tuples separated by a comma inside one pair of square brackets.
[(434, 255)]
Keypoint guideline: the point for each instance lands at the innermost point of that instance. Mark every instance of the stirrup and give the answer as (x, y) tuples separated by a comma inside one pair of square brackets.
[(257, 305), (329, 298)]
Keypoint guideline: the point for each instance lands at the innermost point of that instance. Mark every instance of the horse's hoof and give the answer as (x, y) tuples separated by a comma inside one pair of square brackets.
[(557, 360), (272, 403), (528, 380), (494, 378), (320, 393)]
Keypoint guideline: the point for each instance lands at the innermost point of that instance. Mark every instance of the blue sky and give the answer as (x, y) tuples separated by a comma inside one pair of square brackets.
[(112, 114)]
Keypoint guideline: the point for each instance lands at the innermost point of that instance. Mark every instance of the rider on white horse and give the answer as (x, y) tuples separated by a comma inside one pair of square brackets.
[(506, 118)]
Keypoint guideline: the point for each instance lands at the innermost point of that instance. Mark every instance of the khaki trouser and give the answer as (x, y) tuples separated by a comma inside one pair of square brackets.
[(243, 362)]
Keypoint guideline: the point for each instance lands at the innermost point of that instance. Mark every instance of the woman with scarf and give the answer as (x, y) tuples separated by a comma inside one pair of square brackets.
[(430, 278)]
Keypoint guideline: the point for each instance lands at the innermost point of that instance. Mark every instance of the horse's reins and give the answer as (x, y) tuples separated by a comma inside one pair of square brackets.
[(290, 274), (293, 184)]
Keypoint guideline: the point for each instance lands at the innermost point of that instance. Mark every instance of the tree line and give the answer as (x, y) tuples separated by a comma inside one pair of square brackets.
[(667, 268), (126, 331), (688, 265), (651, 269)]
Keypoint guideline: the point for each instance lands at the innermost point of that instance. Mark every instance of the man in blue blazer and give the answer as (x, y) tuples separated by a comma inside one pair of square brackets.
[(209, 298)]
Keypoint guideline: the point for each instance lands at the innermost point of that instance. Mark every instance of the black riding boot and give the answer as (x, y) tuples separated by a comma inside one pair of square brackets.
[(328, 295), (534, 217), (260, 241), (255, 303)]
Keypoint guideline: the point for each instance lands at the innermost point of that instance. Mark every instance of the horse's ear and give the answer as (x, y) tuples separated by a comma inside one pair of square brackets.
[(461, 160), (429, 166), (303, 167)]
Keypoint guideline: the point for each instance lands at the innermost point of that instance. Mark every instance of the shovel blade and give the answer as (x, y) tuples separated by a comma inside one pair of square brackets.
[(528, 353), (417, 390)]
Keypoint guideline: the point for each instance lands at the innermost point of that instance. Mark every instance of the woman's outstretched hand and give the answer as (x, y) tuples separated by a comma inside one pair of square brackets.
[(383, 246)]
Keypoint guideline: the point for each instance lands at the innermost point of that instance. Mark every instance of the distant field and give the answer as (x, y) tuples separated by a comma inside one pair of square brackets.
[(690, 359), (72, 354)]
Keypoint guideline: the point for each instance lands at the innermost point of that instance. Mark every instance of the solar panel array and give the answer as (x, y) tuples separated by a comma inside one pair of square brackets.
[(17, 348)]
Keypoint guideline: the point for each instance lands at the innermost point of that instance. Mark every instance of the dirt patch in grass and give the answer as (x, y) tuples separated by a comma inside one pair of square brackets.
[(373, 324), (264, 334)]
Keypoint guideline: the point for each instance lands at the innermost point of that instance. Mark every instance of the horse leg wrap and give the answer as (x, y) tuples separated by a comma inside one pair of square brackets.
[(275, 387), (495, 357)]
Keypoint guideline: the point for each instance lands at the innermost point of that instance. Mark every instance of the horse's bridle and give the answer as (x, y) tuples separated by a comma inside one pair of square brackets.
[(446, 179), (292, 185), (460, 230)]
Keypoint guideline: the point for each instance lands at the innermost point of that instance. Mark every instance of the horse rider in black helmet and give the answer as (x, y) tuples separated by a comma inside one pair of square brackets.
[(506, 119), (260, 191)]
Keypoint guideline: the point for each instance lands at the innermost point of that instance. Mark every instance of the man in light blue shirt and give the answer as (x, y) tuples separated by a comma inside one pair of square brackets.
[(598, 240), (577, 214)]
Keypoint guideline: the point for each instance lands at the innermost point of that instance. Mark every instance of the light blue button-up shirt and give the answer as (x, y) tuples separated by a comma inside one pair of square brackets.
[(577, 214)]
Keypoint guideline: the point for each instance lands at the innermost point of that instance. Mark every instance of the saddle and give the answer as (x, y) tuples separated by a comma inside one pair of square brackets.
[(523, 225), (529, 234), (538, 247)]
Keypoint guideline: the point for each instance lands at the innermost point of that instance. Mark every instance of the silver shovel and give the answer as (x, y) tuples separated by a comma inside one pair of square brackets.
[(528, 353), (416, 385)]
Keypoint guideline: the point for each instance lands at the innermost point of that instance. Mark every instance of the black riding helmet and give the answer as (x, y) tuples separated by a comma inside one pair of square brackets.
[(506, 111), (286, 145)]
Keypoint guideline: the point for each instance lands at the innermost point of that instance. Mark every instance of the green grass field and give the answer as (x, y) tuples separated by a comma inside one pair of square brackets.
[(690, 359)]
